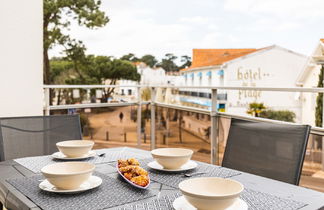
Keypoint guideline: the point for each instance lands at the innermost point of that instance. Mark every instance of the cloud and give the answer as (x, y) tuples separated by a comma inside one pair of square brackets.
[(291, 9), (160, 27), (195, 20), (136, 30)]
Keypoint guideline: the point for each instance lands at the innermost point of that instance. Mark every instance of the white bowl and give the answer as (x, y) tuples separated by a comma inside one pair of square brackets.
[(68, 175), (75, 148), (207, 193), (172, 158)]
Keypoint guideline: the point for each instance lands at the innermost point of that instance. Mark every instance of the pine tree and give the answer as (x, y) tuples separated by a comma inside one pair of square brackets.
[(319, 100)]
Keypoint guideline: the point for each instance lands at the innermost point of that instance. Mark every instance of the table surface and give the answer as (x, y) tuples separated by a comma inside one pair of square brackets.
[(13, 199)]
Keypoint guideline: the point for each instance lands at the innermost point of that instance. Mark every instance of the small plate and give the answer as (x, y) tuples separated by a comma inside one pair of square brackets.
[(61, 156), (130, 182), (182, 204), (188, 166), (91, 183)]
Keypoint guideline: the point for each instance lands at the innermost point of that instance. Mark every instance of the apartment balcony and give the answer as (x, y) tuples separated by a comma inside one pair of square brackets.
[(159, 123), (162, 127)]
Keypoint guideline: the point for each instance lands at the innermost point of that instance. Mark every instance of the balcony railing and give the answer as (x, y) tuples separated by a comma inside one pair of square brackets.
[(214, 115)]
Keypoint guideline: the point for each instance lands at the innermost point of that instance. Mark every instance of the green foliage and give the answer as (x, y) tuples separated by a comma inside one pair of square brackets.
[(255, 109), (92, 70), (84, 120), (282, 115), (57, 17), (186, 61), (146, 94), (149, 60), (130, 57), (259, 110), (60, 69), (86, 12), (168, 63), (319, 100)]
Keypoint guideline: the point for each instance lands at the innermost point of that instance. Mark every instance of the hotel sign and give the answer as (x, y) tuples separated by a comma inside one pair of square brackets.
[(249, 77)]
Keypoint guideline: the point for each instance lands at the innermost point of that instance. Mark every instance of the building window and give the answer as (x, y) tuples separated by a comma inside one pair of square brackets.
[(122, 92), (195, 94), (209, 78), (129, 92)]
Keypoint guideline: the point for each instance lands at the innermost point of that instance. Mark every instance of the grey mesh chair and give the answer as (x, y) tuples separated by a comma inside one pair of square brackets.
[(271, 150), (33, 136)]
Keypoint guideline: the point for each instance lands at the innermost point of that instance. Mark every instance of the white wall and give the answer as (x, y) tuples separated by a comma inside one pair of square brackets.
[(275, 67), (309, 99), (21, 41)]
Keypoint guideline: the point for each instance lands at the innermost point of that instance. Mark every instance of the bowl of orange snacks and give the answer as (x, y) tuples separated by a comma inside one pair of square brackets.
[(131, 171)]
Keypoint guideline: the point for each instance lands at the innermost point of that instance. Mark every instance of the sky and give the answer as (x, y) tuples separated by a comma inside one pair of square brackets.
[(178, 26)]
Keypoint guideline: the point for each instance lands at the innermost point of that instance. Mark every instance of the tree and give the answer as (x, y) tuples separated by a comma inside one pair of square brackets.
[(149, 60), (255, 109), (57, 19), (91, 69), (168, 63), (61, 71), (319, 100), (130, 57), (186, 62), (101, 69), (282, 115), (146, 96)]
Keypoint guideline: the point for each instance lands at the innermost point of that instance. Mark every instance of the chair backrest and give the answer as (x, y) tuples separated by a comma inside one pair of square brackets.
[(271, 150), (37, 135)]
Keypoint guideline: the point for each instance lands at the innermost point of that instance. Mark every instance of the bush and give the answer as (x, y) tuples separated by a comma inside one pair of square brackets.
[(282, 115), (84, 120)]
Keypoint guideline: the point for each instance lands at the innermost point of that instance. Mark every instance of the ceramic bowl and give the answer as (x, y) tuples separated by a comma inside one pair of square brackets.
[(208, 193), (75, 148), (172, 158), (68, 175)]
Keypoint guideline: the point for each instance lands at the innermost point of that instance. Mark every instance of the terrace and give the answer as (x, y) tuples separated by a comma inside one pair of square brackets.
[(130, 133), (123, 140)]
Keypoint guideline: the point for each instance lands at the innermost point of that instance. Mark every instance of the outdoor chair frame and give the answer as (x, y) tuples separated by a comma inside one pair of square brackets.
[(36, 135), (266, 149)]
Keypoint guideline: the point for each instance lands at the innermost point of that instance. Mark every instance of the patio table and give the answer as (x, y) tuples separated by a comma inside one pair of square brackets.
[(260, 192)]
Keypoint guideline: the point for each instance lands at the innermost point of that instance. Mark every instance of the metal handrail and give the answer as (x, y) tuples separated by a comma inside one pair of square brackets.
[(276, 89), (213, 113)]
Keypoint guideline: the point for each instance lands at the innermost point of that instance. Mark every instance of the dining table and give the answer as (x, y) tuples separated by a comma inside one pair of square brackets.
[(19, 179)]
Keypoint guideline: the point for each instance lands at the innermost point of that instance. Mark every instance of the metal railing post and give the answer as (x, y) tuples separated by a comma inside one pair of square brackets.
[(153, 94), (139, 117), (214, 129), (47, 101)]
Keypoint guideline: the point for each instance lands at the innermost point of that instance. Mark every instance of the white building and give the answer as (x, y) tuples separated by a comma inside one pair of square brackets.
[(149, 76), (309, 78), (272, 66)]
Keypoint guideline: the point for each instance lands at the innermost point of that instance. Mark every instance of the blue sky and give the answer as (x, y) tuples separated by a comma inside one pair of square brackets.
[(178, 26)]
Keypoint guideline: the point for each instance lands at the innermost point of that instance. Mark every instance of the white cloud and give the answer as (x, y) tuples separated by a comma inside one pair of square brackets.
[(195, 20), (291, 9), (160, 27), (133, 30)]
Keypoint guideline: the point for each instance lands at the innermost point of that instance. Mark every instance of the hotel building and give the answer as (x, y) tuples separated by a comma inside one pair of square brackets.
[(272, 66)]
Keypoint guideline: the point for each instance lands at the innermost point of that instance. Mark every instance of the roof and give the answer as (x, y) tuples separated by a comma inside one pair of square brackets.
[(213, 57), (322, 40)]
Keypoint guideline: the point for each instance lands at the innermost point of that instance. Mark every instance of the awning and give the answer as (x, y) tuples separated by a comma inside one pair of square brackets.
[(194, 101), (220, 72)]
